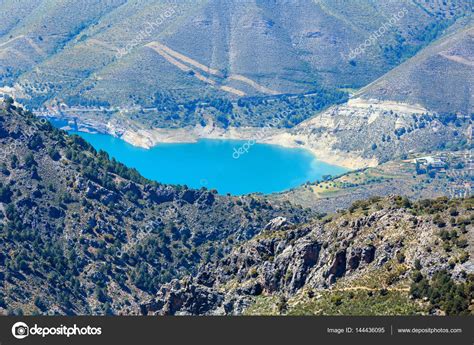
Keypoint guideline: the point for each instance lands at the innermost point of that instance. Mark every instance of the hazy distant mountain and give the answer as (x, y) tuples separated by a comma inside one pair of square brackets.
[(125, 53)]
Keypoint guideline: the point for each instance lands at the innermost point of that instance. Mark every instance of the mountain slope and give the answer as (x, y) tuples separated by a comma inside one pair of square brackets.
[(444, 68), (363, 133), (83, 234), (101, 57), (368, 260), (423, 105)]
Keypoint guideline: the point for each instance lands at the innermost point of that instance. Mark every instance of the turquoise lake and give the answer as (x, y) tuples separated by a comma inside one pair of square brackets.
[(215, 165)]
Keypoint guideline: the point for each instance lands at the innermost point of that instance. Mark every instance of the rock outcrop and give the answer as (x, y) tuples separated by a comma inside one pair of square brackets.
[(287, 258)]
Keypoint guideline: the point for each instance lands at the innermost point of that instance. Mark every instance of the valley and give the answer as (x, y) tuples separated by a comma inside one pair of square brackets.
[(121, 244), (351, 193)]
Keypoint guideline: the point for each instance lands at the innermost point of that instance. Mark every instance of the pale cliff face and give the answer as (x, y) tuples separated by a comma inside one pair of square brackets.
[(362, 133)]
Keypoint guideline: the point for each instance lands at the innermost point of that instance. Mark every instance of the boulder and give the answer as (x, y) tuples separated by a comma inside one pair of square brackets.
[(368, 254), (277, 224)]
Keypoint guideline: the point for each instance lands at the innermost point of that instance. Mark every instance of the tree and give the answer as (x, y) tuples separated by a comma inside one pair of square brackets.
[(8, 102), (30, 161), (417, 264), (35, 142), (14, 162), (54, 154), (443, 292), (5, 194), (40, 304), (100, 294), (282, 304), (107, 309)]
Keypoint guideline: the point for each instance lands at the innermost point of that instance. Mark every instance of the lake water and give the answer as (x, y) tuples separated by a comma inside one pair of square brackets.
[(214, 164)]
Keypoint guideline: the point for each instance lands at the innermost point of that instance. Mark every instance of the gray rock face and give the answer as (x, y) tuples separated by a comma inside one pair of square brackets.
[(176, 298), (161, 194), (285, 263), (338, 268), (368, 254), (133, 188), (96, 192), (297, 262), (354, 259), (277, 223), (285, 259), (109, 198)]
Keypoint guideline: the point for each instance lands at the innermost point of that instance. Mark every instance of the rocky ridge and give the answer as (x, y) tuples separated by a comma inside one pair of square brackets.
[(287, 259), (86, 235)]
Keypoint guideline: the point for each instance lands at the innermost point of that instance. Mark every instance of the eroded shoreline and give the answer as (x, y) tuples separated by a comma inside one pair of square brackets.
[(148, 138)]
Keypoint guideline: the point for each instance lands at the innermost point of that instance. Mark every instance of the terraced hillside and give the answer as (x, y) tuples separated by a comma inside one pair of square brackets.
[(103, 58), (448, 173), (422, 106)]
